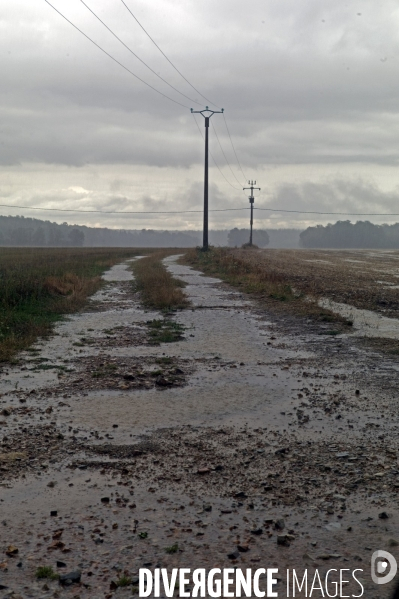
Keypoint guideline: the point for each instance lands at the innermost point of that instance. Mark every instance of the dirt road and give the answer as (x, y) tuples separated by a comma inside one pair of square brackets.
[(254, 441)]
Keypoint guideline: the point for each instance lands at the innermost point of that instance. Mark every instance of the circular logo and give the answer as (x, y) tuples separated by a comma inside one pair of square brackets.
[(383, 567)]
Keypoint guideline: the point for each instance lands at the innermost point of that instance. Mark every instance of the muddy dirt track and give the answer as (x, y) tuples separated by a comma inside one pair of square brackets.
[(251, 441)]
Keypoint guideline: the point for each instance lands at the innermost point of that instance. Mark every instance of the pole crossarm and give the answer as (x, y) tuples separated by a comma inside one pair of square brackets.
[(251, 201), (206, 109), (207, 114)]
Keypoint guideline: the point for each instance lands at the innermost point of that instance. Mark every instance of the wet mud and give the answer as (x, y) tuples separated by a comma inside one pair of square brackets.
[(254, 440)]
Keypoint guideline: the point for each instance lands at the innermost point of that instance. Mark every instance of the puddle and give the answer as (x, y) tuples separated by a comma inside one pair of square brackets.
[(322, 261), (365, 322)]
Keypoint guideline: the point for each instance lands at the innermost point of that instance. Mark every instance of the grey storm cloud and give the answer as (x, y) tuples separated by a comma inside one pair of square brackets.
[(348, 196), (302, 83), (289, 74)]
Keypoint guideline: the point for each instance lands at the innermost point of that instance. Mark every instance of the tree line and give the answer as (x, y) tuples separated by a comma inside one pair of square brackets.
[(344, 234), (32, 232)]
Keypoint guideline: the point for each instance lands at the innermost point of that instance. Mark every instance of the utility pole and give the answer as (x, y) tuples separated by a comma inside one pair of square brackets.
[(207, 114), (251, 201)]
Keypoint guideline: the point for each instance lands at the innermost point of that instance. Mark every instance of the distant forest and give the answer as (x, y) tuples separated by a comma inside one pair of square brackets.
[(344, 234), (32, 232)]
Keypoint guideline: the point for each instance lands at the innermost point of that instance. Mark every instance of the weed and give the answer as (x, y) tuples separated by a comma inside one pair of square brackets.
[(172, 549), (104, 370), (166, 360), (46, 572), (158, 288), (156, 372), (143, 535), (164, 331), (124, 581)]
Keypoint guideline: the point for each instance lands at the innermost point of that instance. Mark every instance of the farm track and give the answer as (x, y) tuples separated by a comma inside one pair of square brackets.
[(254, 437)]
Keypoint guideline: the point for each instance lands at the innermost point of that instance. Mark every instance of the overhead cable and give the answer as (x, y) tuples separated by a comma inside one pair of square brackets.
[(135, 55), (119, 211), (114, 59), (330, 213), (163, 53), (234, 150), (227, 162), (216, 164)]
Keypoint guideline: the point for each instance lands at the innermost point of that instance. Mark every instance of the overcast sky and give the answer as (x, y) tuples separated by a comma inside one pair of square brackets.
[(310, 91)]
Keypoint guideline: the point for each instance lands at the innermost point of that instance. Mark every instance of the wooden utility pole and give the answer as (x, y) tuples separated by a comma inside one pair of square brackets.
[(207, 113), (251, 201)]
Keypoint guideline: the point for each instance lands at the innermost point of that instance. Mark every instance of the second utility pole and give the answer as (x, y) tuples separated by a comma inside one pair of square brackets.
[(205, 244), (251, 201)]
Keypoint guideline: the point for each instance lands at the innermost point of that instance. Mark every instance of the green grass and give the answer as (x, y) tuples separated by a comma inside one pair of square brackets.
[(172, 549), (46, 572), (124, 581), (164, 331), (164, 360), (105, 370), (39, 285)]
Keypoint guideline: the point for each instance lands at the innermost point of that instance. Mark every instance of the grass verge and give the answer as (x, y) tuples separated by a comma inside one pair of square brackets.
[(269, 284), (159, 289), (39, 285)]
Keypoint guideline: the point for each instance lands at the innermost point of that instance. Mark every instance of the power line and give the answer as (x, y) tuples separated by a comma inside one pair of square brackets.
[(194, 211), (114, 59), (135, 55), (232, 145), (227, 162), (331, 213), (216, 164), (194, 88), (119, 211), (163, 54)]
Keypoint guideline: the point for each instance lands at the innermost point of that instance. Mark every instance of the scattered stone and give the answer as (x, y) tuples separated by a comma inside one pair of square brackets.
[(283, 540), (279, 524), (70, 578), (203, 471), (12, 551), (383, 516), (129, 377), (161, 381)]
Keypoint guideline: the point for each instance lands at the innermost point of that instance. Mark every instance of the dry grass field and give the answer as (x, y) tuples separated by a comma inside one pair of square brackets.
[(38, 285), (365, 279), (294, 280)]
